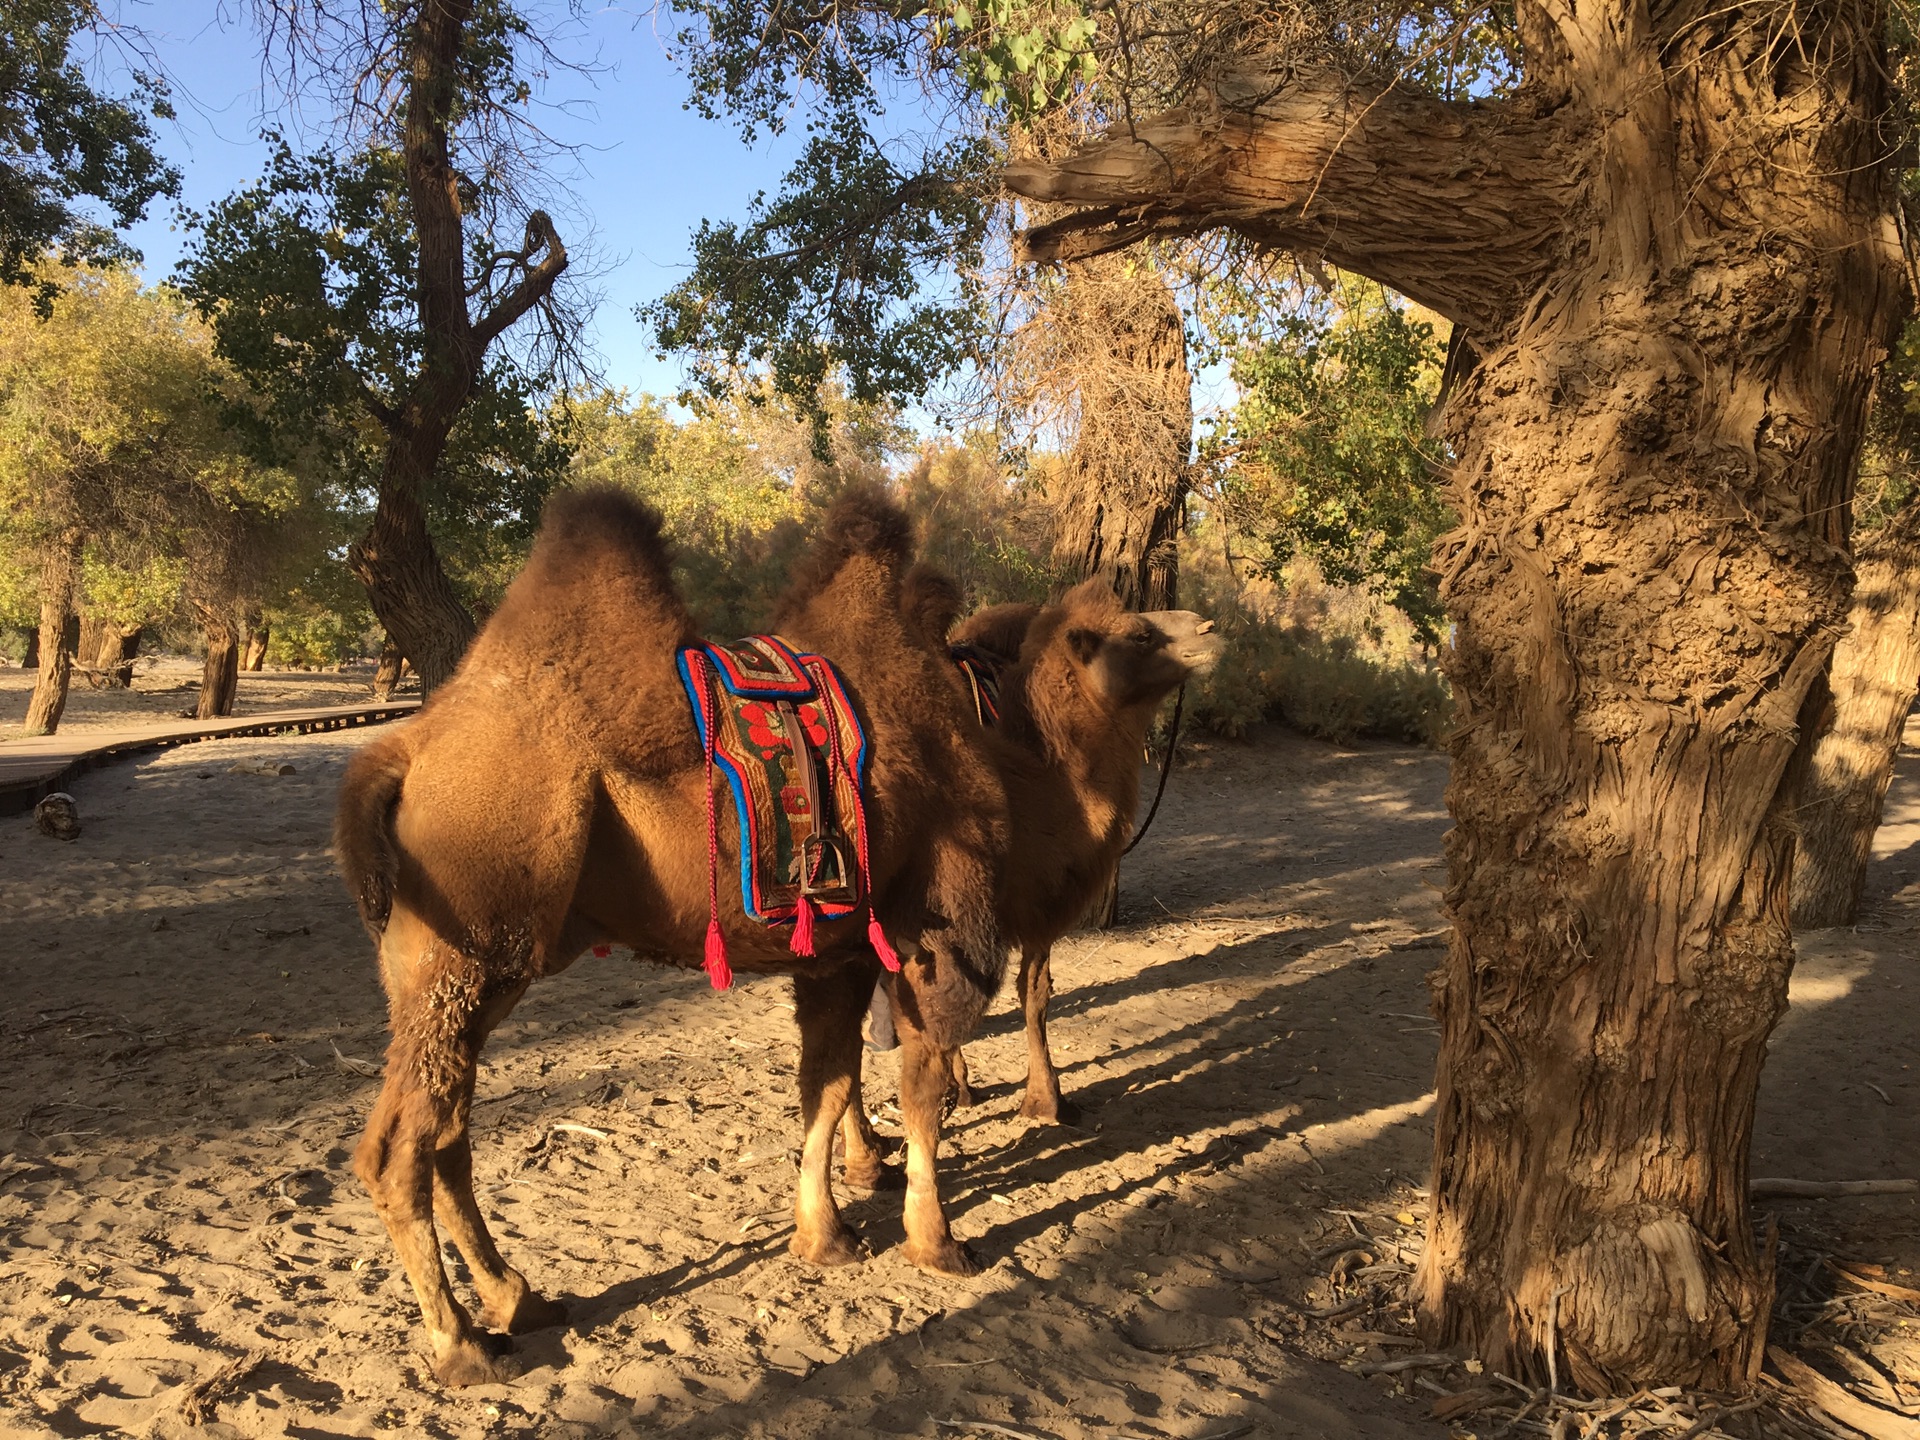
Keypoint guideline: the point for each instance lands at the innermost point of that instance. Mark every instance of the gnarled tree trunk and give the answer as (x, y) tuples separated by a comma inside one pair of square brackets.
[(87, 652), (1876, 673), (1124, 485), (59, 591), (220, 676), (1674, 256)]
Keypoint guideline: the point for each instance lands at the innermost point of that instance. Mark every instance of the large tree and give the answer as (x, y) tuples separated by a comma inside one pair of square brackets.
[(368, 286), (1673, 256)]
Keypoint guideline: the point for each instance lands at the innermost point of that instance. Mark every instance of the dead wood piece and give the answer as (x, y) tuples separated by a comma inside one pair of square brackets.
[(1778, 1189), (1466, 1402), (1406, 1362), (203, 1397), (1821, 1392), (1878, 1287)]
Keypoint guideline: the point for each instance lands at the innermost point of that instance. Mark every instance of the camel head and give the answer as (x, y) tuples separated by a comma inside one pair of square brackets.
[(1134, 658)]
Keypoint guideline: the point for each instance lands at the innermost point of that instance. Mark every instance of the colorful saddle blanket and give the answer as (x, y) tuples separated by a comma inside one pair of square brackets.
[(794, 755), (983, 682)]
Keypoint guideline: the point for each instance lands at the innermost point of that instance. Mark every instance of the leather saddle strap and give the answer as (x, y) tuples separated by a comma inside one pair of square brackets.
[(809, 783)]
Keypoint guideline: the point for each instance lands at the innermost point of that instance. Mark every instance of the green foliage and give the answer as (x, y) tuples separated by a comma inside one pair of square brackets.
[(1333, 662), (61, 143), (1016, 55), (111, 440), (1328, 447), (827, 277)]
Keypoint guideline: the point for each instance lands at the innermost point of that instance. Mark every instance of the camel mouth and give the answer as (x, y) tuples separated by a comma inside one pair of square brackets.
[(1192, 640)]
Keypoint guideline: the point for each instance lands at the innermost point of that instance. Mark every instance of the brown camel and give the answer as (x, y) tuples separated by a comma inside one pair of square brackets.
[(1080, 682), (540, 805)]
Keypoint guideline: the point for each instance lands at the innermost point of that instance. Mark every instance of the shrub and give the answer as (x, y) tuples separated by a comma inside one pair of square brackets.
[(1325, 660)]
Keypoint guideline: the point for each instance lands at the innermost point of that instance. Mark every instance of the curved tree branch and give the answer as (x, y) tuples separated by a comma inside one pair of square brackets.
[(534, 286), (1459, 205)]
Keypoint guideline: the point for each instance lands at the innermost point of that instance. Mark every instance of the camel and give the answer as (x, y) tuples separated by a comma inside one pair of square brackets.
[(1080, 682), (539, 806)]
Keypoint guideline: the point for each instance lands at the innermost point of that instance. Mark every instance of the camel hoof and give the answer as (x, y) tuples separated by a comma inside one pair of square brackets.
[(1050, 1110), (533, 1312), (841, 1247), (947, 1257), (466, 1362), (870, 1178)]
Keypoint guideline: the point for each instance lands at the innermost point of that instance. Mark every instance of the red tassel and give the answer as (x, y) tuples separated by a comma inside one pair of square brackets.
[(877, 938), (602, 951), (718, 970), (802, 942)]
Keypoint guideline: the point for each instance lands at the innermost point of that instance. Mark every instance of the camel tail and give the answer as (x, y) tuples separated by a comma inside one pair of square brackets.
[(363, 827)]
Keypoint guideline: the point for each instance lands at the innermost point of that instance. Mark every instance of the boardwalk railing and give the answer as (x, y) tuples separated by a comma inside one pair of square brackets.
[(30, 769)]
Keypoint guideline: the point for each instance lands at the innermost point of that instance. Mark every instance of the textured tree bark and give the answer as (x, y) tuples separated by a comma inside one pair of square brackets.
[(386, 674), (1655, 456), (1124, 484), (92, 631), (1876, 674), (119, 648), (253, 653), (396, 559), (59, 590), (220, 676)]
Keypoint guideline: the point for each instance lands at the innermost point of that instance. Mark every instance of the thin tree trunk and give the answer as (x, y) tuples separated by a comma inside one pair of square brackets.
[(59, 588), (220, 676), (1678, 318), (1876, 673), (1125, 481), (396, 559)]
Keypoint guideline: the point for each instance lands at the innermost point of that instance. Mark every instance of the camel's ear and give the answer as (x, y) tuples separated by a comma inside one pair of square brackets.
[(1085, 644)]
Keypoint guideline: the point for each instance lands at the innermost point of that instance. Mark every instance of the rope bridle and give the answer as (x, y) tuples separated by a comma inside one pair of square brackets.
[(1166, 765)]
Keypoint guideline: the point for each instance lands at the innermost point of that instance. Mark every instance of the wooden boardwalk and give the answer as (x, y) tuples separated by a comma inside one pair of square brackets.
[(32, 768)]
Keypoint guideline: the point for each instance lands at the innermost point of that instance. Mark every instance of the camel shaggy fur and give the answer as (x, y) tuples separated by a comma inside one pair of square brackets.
[(1080, 682), (540, 804)]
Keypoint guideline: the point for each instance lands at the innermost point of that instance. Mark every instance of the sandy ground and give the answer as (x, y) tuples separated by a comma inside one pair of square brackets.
[(1251, 1043), (166, 685)]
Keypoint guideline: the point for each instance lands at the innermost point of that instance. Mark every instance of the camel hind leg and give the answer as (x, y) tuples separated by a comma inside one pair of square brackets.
[(436, 996), (509, 1303)]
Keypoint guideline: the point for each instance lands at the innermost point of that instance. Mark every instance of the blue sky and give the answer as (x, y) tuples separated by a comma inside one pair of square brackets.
[(648, 171)]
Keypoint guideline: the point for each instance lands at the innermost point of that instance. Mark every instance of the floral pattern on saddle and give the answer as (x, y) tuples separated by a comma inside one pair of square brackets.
[(779, 727)]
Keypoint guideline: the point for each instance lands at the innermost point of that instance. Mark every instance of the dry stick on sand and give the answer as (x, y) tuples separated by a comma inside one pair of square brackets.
[(1828, 1189), (203, 1396)]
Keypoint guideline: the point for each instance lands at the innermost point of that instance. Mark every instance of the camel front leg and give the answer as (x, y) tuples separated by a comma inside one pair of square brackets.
[(1042, 1100), (829, 1009), (924, 1069)]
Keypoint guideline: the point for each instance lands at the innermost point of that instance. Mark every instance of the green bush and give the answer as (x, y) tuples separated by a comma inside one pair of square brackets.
[(1324, 660)]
